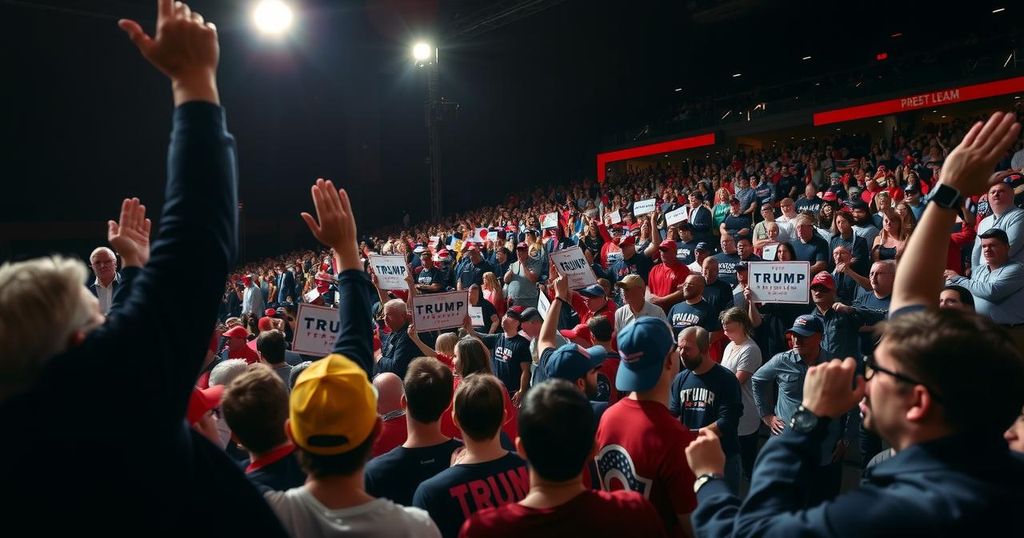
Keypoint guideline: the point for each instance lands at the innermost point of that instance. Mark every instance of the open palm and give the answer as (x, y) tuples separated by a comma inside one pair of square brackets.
[(130, 234)]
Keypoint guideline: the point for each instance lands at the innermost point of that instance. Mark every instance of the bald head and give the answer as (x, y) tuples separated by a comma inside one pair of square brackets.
[(389, 392)]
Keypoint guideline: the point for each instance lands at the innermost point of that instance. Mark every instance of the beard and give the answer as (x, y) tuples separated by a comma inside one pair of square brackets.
[(692, 363)]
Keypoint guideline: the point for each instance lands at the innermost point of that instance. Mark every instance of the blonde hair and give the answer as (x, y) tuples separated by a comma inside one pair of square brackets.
[(43, 302), (491, 281), (446, 344)]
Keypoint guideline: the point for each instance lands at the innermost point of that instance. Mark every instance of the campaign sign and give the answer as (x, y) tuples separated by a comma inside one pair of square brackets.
[(436, 311), (479, 235), (571, 263), (549, 220), (676, 215), (780, 282), (644, 207), (390, 271), (492, 235), (543, 304), (432, 244), (616, 216), (311, 295), (476, 314), (316, 330), (769, 251)]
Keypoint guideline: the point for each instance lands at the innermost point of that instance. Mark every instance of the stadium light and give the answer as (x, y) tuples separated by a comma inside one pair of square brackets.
[(422, 51), (272, 16)]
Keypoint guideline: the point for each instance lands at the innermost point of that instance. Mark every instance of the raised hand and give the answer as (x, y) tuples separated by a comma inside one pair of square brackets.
[(704, 454), (184, 48), (130, 234), (969, 166), (561, 285), (335, 225), (827, 389)]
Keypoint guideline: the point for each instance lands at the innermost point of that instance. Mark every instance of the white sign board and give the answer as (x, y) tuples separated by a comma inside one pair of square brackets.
[(676, 216), (644, 207), (543, 304), (769, 251), (432, 244), (311, 295), (476, 314), (780, 282), (492, 235), (315, 331), (549, 220), (390, 271), (571, 263), (436, 311), (616, 216)]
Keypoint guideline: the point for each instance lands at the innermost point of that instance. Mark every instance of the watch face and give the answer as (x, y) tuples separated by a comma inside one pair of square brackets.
[(804, 421), (945, 196)]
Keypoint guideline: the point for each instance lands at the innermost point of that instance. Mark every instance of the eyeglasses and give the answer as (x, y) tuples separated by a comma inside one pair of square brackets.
[(870, 367), (103, 263)]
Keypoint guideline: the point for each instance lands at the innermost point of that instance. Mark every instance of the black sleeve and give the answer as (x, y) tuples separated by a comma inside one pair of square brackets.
[(124, 288), (355, 332)]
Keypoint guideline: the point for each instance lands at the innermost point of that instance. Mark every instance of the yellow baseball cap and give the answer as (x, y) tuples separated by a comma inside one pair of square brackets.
[(333, 407)]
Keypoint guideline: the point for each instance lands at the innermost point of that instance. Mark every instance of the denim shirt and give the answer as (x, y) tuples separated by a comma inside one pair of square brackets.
[(778, 388)]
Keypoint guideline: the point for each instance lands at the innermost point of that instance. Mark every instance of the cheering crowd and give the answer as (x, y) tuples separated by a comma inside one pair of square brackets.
[(634, 406)]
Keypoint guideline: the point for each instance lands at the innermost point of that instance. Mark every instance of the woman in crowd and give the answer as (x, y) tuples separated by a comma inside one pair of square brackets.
[(891, 240), (742, 357), (493, 293)]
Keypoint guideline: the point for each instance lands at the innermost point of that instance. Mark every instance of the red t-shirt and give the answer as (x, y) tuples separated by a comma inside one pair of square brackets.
[(393, 433), (664, 279), (246, 353), (591, 513), (641, 448)]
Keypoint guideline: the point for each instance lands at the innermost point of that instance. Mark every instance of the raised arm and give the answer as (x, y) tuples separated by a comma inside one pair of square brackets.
[(335, 226), (549, 328), (968, 169), (198, 220)]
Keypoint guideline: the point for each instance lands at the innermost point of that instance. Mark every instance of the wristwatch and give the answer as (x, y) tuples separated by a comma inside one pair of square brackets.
[(946, 197), (704, 479), (804, 421)]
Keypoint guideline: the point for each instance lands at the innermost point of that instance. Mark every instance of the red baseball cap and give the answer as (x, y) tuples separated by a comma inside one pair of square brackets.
[(829, 196), (236, 332), (269, 312), (265, 323), (627, 241), (203, 400), (579, 331), (824, 279), (667, 245), (522, 246)]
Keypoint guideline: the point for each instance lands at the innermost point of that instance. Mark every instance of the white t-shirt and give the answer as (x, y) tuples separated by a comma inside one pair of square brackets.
[(745, 357), (302, 515), (624, 316)]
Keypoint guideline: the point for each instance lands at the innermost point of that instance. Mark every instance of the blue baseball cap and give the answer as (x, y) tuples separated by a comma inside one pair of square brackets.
[(593, 290), (572, 361), (643, 346), (702, 246), (807, 325)]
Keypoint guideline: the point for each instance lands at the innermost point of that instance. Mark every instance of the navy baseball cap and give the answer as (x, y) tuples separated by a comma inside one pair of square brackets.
[(572, 361), (806, 325), (593, 290), (643, 346), (702, 246)]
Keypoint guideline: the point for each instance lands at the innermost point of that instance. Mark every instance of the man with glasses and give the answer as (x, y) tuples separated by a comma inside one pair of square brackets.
[(942, 388), (104, 266)]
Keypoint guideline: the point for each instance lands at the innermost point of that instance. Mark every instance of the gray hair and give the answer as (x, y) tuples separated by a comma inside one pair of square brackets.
[(226, 372), (43, 302)]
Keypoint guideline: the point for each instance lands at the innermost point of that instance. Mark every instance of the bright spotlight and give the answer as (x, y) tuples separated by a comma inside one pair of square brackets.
[(272, 16), (421, 52)]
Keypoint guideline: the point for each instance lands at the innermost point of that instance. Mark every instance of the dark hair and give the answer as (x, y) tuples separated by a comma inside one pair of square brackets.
[(255, 406), (788, 246), (428, 389), (557, 428), (344, 464), (270, 344), (600, 328), (984, 396), (479, 406), (997, 234), (473, 358), (965, 295)]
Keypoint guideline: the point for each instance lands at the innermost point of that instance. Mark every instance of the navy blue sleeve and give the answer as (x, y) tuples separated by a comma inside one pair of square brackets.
[(190, 257), (731, 404), (355, 330), (701, 221), (124, 288), (673, 396)]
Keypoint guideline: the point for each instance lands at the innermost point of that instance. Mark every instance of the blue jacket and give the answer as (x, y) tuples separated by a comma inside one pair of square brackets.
[(960, 485), (127, 386)]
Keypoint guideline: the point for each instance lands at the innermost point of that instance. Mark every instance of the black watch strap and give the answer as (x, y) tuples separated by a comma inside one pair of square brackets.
[(946, 197)]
